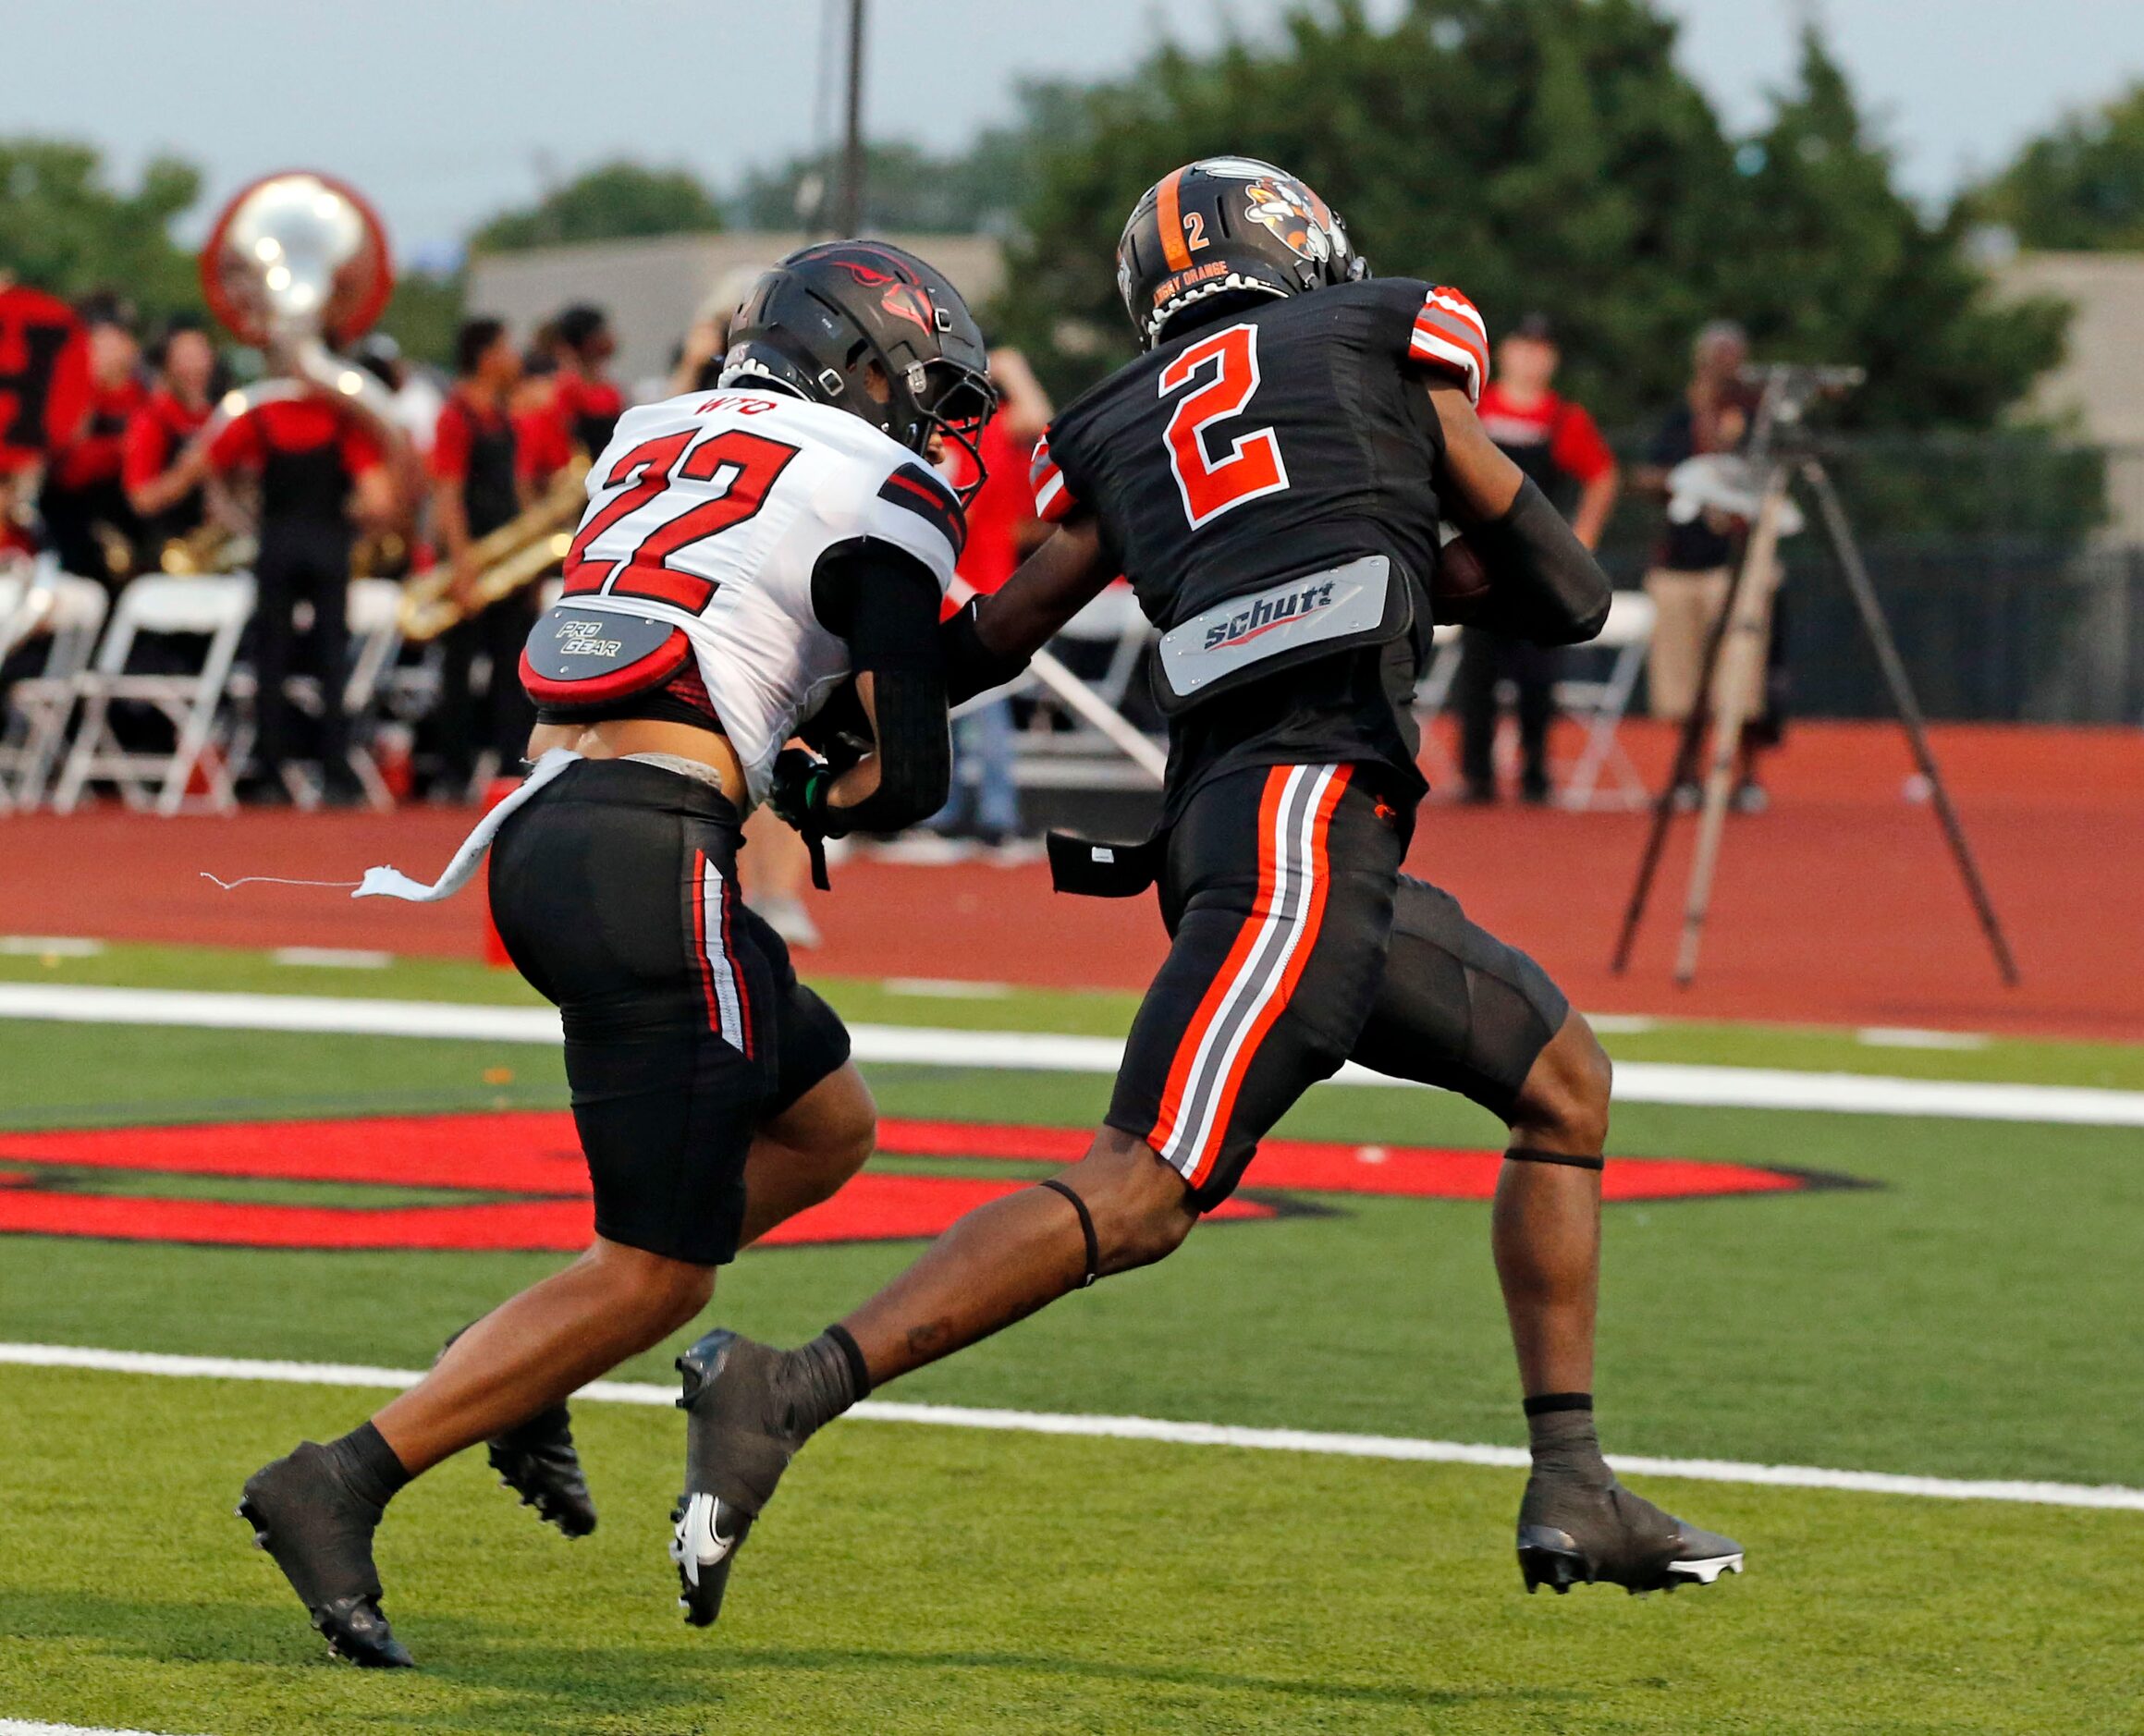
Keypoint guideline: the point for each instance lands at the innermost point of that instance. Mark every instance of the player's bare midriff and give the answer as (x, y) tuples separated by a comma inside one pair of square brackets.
[(615, 737)]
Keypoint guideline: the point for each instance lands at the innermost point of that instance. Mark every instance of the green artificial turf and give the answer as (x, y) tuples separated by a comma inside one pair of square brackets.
[(928, 1580), (1968, 1315)]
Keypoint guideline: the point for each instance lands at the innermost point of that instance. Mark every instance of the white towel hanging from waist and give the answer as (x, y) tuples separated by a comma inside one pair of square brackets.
[(392, 883)]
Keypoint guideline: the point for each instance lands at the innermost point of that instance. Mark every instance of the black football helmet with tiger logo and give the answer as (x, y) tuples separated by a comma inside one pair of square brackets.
[(1231, 226), (814, 324)]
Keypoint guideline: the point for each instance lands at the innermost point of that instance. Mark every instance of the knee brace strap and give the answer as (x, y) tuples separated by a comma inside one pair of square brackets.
[(1086, 1230), (1535, 1154)]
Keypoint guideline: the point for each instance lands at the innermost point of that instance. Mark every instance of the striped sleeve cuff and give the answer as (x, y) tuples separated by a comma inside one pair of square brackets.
[(1448, 335), (1054, 502)]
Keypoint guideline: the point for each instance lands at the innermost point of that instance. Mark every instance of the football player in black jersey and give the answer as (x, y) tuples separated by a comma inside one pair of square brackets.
[(1277, 476)]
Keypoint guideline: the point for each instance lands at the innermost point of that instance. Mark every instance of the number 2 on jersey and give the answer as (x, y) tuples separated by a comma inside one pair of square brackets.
[(1223, 373), (753, 462)]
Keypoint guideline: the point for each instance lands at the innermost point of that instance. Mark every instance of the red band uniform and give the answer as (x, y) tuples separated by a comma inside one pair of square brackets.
[(481, 447), (309, 456), (156, 435), (1558, 444)]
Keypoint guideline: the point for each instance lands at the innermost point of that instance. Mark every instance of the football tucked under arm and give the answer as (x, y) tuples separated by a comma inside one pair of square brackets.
[(1461, 587), (1519, 568)]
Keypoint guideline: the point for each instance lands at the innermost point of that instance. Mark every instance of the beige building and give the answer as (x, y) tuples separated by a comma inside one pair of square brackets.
[(2101, 383), (652, 289)]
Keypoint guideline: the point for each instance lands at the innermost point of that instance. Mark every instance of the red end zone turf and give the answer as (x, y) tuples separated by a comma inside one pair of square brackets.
[(531, 1158)]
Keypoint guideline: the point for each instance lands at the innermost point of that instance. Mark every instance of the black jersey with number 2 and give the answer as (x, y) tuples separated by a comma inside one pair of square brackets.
[(1281, 440)]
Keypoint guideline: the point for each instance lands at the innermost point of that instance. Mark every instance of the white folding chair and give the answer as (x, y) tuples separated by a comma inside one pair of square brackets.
[(216, 608), (69, 613), (375, 637), (1628, 635)]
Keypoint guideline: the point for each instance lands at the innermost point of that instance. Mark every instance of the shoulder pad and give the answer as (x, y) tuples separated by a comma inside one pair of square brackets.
[(916, 488)]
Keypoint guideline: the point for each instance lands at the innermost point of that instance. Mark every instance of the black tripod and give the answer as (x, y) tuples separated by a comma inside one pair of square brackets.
[(1738, 633)]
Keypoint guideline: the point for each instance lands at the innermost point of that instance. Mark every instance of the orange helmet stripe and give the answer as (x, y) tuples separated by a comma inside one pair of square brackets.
[(1170, 219)]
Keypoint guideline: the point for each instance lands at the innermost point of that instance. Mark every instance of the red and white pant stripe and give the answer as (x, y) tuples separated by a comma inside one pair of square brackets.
[(1254, 985), (722, 979)]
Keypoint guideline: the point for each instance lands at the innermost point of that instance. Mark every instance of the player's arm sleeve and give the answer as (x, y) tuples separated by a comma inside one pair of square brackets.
[(884, 603), (1449, 338), (1545, 584)]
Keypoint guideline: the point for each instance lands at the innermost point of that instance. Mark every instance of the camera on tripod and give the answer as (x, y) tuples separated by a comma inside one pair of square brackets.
[(1785, 390)]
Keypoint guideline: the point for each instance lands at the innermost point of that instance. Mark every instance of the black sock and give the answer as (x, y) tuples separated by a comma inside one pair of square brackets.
[(1559, 1429), (368, 1464), (823, 1379)]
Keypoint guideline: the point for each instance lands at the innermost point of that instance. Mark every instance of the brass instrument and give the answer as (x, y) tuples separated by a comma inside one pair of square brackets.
[(510, 558), (211, 547), (298, 262)]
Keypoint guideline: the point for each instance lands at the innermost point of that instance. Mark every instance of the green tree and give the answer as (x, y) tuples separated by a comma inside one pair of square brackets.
[(1838, 266), (606, 203), (423, 315), (979, 189), (1546, 155), (2080, 186), (65, 229)]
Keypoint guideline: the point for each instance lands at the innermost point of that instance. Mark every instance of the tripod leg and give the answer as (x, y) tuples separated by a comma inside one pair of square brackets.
[(1741, 659), (1688, 743), (1908, 708)]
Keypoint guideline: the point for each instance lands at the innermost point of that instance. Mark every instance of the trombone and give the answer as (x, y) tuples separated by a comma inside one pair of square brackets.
[(511, 559)]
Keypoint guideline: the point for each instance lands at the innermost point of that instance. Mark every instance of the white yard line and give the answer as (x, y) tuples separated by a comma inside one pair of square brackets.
[(49, 946), (924, 1046), (1144, 1429), (1914, 1037), (334, 958), (16, 1727)]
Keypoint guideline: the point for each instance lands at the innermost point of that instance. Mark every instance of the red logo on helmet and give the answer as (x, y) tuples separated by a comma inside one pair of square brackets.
[(906, 304), (865, 274)]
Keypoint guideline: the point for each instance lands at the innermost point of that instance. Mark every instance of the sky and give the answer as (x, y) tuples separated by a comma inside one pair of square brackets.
[(446, 110)]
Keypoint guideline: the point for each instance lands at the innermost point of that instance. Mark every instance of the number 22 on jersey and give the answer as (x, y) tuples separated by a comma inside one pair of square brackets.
[(1221, 373), (743, 466)]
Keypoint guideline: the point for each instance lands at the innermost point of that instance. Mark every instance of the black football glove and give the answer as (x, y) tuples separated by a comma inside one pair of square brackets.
[(798, 794), (799, 791)]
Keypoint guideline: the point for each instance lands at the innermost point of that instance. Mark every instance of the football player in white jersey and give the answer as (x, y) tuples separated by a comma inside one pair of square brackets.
[(746, 554)]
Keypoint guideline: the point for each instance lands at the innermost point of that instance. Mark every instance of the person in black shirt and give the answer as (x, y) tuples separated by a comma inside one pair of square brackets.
[(477, 485), (1689, 578), (319, 469), (1273, 476), (1556, 443)]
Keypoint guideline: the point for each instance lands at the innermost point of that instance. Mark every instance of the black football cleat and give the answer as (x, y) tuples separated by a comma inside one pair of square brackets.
[(318, 1531), (741, 1433), (538, 1462), (1576, 1531)]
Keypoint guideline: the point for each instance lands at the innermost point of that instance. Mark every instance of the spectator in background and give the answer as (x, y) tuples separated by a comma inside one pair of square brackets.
[(588, 403), (542, 444), (169, 502), (417, 401), (699, 364), (1693, 566), (479, 483), (1001, 529), (1557, 443), (87, 520), (319, 470)]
